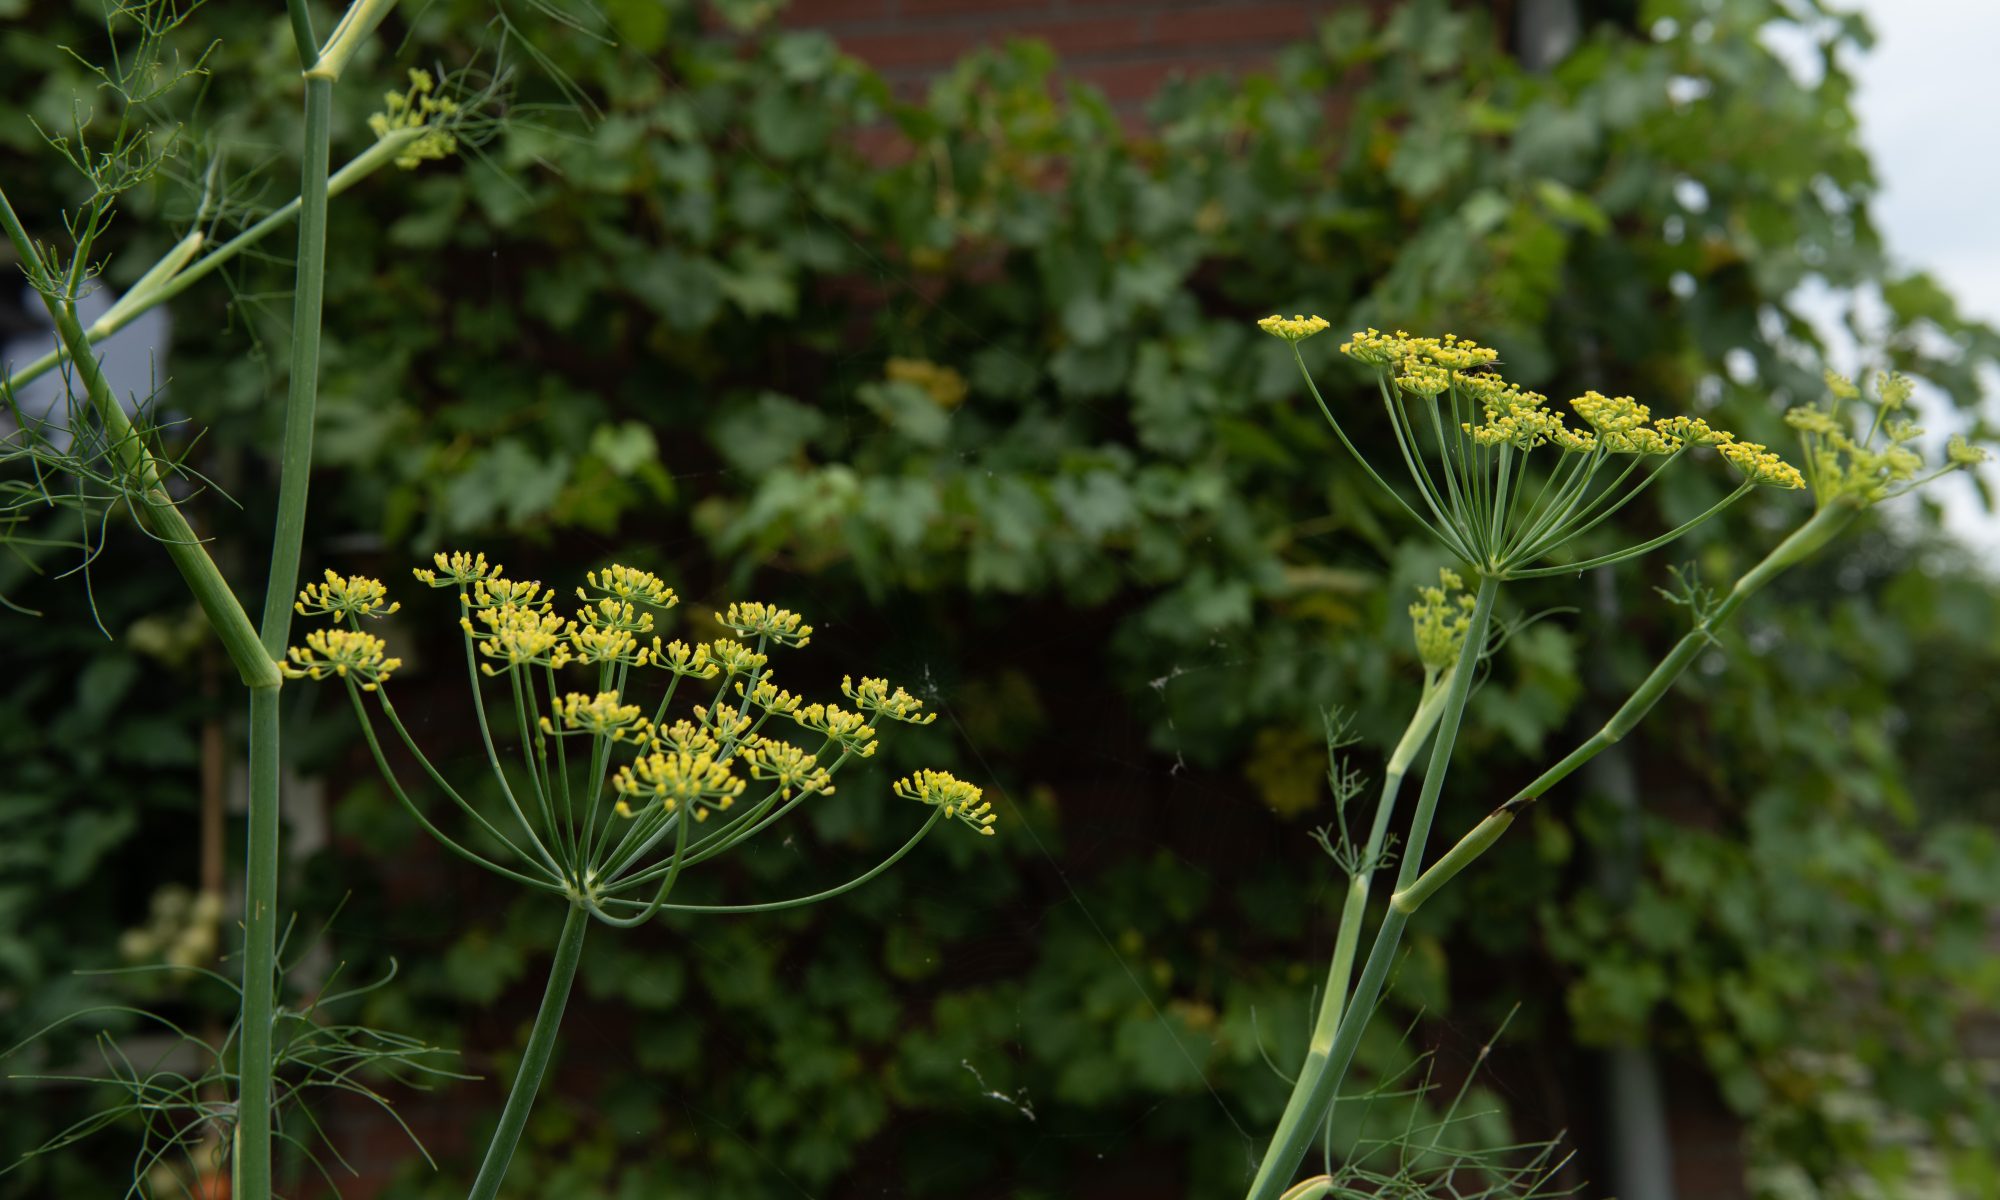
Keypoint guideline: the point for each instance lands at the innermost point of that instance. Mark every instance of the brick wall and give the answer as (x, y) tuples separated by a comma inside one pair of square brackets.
[(1128, 48)]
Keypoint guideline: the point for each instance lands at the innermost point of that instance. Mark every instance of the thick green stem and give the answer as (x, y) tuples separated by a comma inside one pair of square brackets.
[(535, 1058), (1804, 542), (260, 870), (1304, 1116), (295, 459), (1347, 942), (252, 1175), (147, 489)]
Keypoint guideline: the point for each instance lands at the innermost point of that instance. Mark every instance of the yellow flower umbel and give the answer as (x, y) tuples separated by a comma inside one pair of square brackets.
[(417, 108), (604, 715), (348, 597), (787, 767), (580, 814), (628, 584), (514, 635), (1468, 438), (1440, 617), (958, 799), (848, 730), (1865, 470), (751, 619), (457, 569), (873, 695), (675, 780), (1292, 329), (341, 653)]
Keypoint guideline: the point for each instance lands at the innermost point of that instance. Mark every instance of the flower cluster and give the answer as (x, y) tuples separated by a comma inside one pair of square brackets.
[(516, 635), (617, 582), (457, 569), (1292, 329), (603, 715), (752, 619), (1840, 466), (696, 768), (345, 596), (848, 730), (344, 654), (956, 797), (417, 108), (1441, 616), (673, 780), (1515, 416), (787, 767), (873, 695)]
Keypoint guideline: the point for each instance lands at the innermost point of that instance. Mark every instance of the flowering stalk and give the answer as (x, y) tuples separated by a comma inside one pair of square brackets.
[(1476, 516), (139, 478), (1361, 872), (534, 1057), (1313, 1092), (613, 840)]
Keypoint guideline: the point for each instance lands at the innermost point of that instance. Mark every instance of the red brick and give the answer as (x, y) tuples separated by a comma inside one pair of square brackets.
[(1212, 23), (812, 13), (929, 48), (1130, 80), (1074, 37), (1010, 8)]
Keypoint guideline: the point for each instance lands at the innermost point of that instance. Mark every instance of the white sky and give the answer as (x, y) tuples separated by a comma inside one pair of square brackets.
[(1929, 93)]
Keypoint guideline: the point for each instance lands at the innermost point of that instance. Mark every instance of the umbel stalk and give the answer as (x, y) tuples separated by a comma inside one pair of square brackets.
[(1320, 1080), (1326, 1061), (535, 1058)]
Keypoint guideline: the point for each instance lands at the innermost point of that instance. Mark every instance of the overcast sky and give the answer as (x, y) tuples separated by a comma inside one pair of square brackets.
[(1930, 93), (1928, 98)]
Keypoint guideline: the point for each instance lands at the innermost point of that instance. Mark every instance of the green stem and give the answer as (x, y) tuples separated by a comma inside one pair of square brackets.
[(396, 786), (295, 458), (1367, 467), (260, 869), (1646, 547), (1306, 1113), (147, 489), (797, 901), (1341, 972), (535, 1058), (1802, 544), (251, 1178)]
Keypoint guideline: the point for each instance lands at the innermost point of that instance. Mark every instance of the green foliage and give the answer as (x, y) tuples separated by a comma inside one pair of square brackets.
[(1126, 560)]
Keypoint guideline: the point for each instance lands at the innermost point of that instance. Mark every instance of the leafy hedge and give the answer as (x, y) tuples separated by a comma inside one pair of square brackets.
[(972, 381)]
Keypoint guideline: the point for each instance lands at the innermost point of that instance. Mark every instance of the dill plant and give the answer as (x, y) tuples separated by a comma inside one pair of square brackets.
[(611, 844), (1504, 482), (93, 458)]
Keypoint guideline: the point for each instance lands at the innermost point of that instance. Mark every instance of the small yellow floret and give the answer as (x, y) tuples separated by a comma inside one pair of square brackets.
[(418, 109), (873, 695), (958, 799), (1761, 466), (750, 618), (345, 596), (1293, 329), (457, 569), (1441, 616), (627, 583), (343, 653)]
